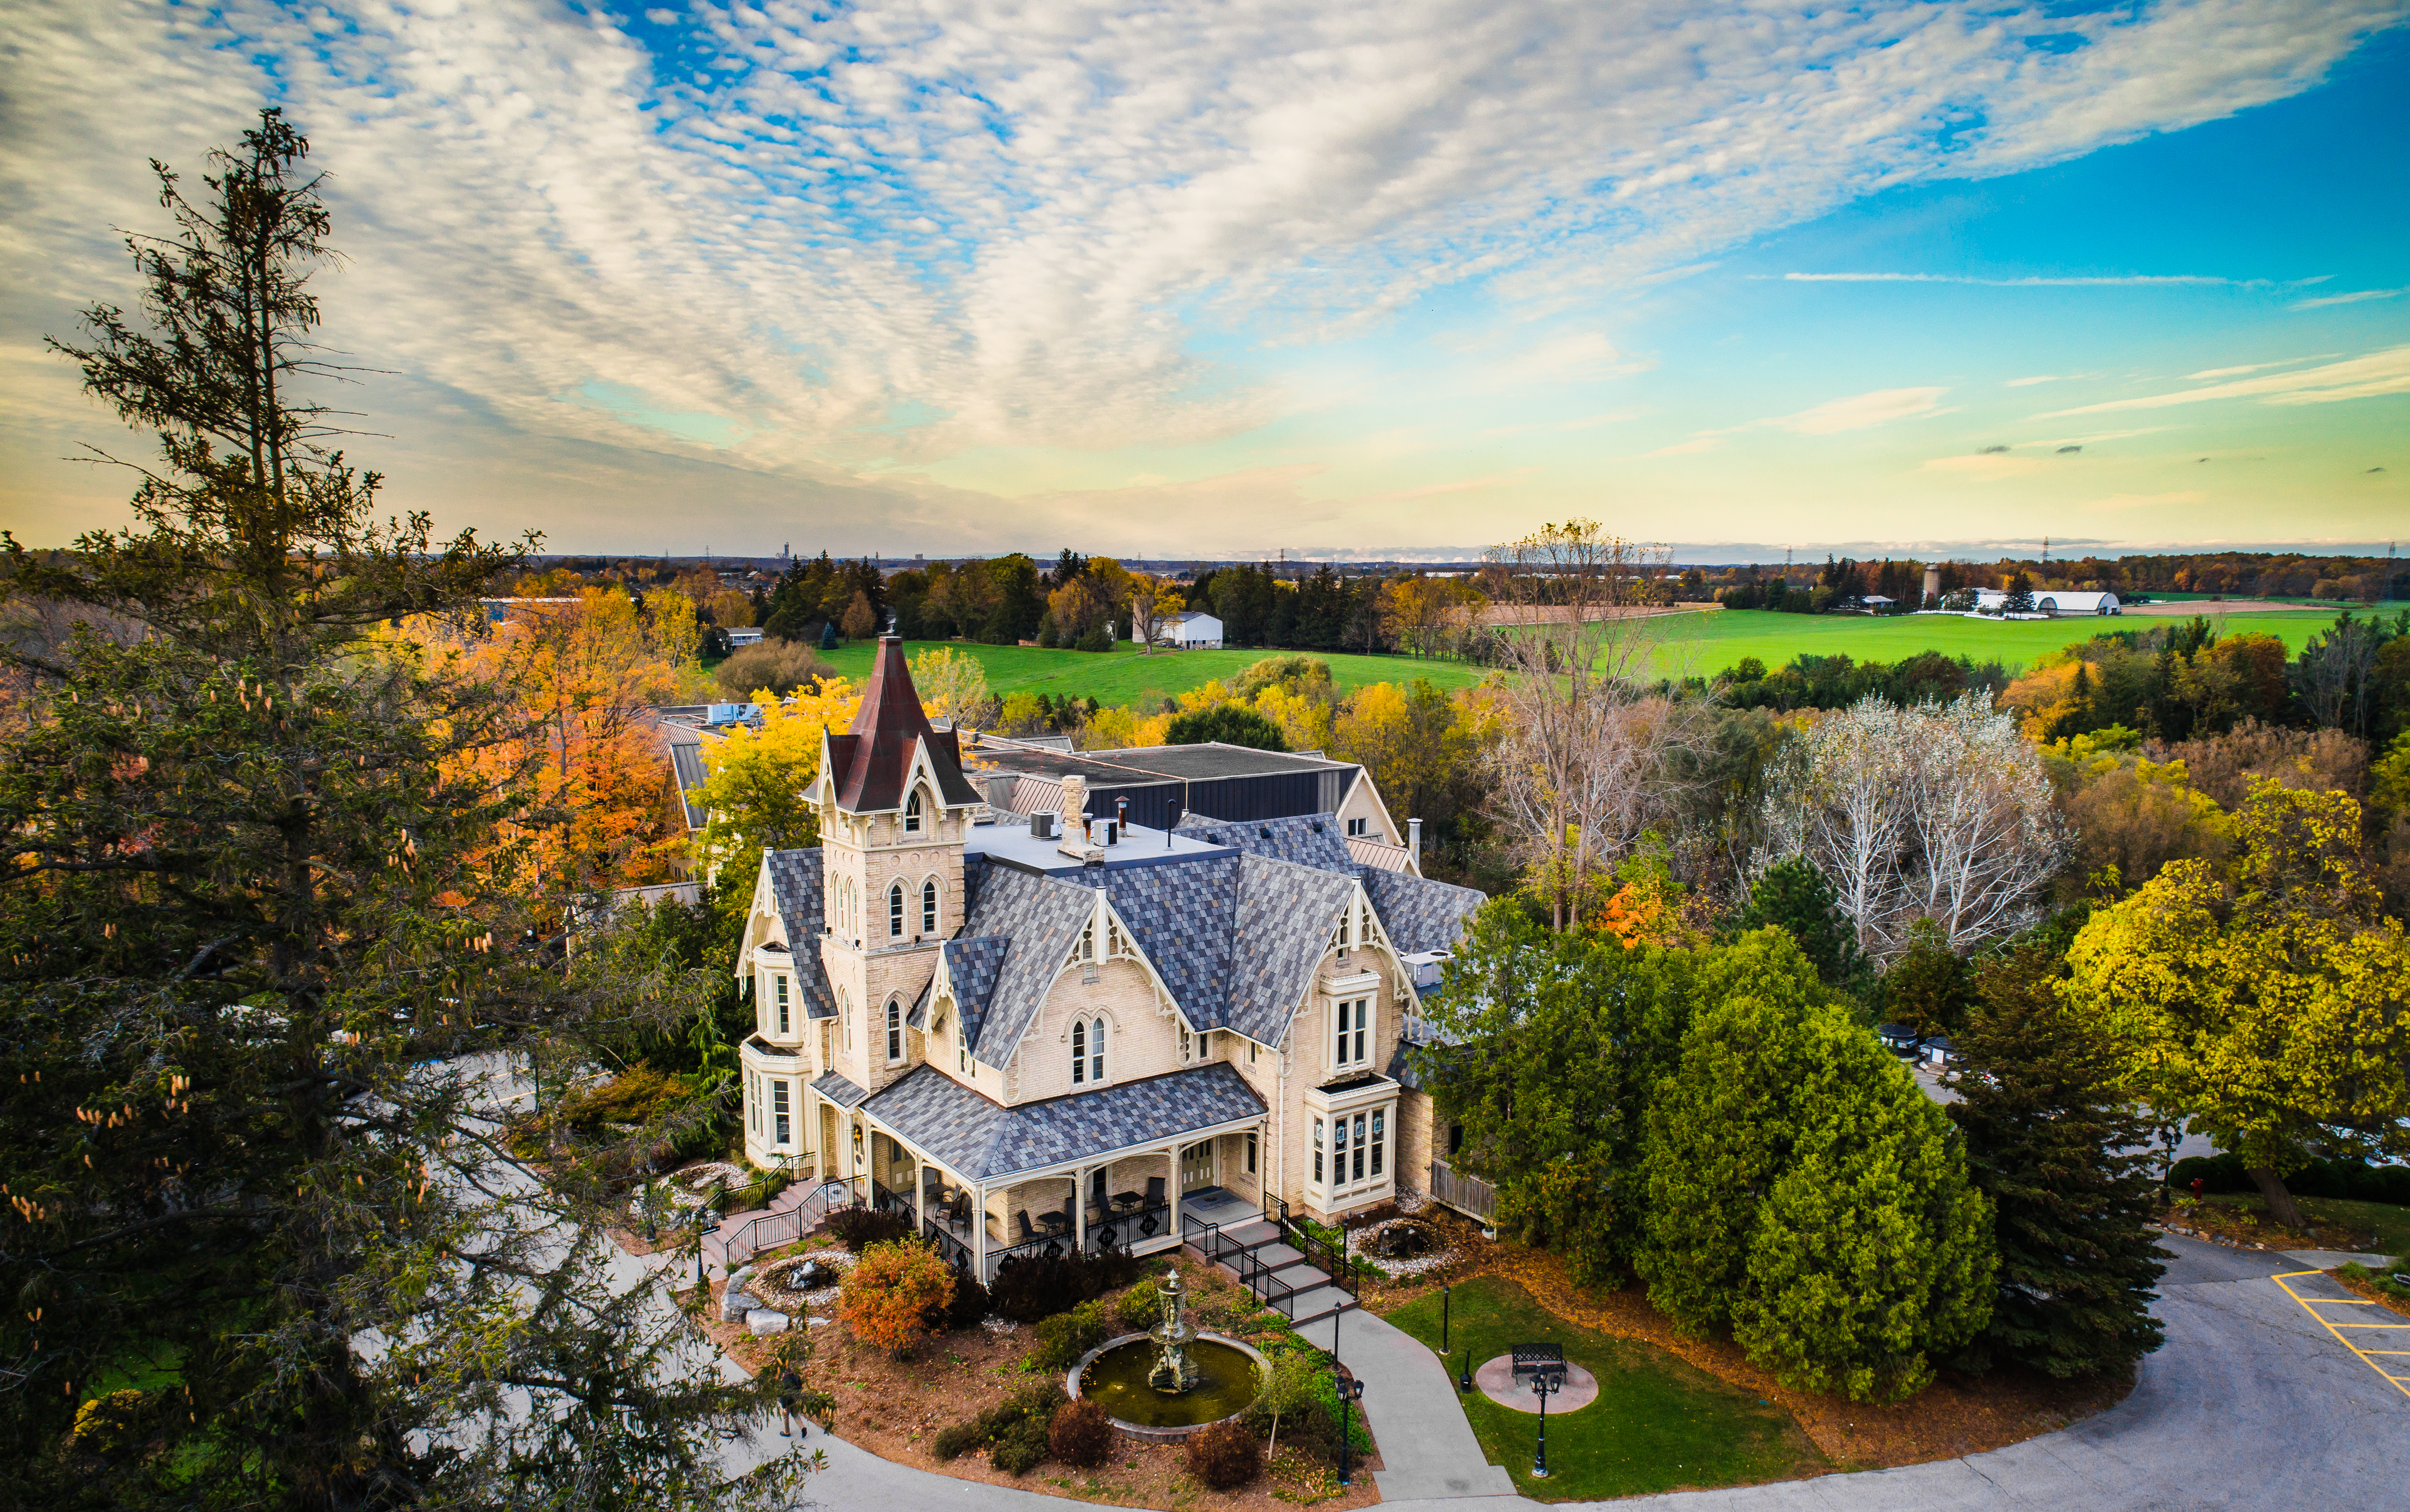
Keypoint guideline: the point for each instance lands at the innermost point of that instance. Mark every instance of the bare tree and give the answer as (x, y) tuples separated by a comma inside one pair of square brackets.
[(1583, 762), (1152, 601), (1939, 812)]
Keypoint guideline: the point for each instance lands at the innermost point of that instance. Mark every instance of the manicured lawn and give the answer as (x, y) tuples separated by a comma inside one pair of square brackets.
[(1657, 1425), (1123, 676), (1702, 644)]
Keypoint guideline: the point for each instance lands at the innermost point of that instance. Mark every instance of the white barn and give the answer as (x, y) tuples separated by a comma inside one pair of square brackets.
[(2057, 602), (1191, 629)]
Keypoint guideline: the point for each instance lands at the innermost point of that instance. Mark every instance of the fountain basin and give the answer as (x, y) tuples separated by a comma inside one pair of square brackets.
[(1113, 1375)]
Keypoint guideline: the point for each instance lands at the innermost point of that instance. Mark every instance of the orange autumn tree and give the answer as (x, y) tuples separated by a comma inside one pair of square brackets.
[(587, 674), (892, 1292)]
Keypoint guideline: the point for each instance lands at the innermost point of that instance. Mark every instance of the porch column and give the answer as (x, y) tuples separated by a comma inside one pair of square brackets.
[(1174, 1185), (1080, 1207), (978, 1238), (920, 1198)]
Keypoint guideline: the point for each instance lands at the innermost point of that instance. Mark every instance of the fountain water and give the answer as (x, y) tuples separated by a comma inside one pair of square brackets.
[(1172, 1379)]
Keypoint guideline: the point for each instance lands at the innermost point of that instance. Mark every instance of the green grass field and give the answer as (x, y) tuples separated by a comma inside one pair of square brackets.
[(1702, 644), (1688, 644), (1657, 1424), (1123, 676)]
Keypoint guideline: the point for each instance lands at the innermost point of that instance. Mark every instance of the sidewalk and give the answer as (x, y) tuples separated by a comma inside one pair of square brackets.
[(1424, 1439)]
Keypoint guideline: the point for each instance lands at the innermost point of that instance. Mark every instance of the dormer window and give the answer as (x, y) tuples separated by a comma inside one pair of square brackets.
[(913, 813), (1087, 1052)]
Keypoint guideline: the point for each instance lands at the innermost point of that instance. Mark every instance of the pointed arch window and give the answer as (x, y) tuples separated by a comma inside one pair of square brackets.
[(913, 813), (929, 907), (1087, 1052), (894, 1031), (896, 911)]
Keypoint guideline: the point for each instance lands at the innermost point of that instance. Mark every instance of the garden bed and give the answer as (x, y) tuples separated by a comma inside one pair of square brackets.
[(2241, 1220), (895, 1408)]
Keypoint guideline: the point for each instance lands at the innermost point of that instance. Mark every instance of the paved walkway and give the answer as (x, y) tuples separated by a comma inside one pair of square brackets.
[(1425, 1440)]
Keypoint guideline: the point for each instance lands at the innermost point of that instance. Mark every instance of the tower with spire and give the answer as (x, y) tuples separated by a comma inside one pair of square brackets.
[(894, 811)]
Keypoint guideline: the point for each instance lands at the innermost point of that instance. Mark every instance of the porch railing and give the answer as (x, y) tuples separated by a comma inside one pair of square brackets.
[(883, 1200), (1469, 1194), (949, 1248), (1124, 1230), (1043, 1247)]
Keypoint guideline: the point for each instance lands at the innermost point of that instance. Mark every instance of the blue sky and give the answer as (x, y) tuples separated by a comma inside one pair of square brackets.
[(964, 274)]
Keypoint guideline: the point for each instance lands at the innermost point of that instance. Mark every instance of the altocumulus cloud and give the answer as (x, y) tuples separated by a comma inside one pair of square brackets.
[(876, 236)]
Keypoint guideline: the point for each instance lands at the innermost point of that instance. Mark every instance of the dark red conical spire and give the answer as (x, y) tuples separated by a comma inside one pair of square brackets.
[(868, 762)]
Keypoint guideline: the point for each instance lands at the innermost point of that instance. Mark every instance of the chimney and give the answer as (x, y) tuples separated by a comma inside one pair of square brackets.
[(1415, 841), (1075, 804)]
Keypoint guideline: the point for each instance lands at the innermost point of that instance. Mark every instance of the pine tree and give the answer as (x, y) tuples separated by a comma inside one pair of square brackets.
[(1794, 895), (2047, 1133), (266, 935)]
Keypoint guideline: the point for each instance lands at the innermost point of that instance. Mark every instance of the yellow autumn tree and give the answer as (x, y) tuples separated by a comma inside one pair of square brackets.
[(754, 780), (2266, 998)]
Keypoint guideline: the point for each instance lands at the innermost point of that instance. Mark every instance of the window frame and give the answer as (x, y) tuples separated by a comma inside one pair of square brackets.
[(929, 907), (779, 1114), (895, 909), (913, 813)]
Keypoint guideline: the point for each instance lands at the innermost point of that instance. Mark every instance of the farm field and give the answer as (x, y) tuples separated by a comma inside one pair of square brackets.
[(1704, 644), (1689, 645), (1123, 677)]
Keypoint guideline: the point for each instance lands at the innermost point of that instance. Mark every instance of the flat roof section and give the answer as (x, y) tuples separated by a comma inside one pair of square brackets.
[(1013, 845)]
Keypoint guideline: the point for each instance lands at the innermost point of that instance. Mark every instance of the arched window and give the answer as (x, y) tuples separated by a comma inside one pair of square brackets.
[(896, 911), (894, 1031), (1079, 1052), (929, 907), (1095, 1066), (913, 813)]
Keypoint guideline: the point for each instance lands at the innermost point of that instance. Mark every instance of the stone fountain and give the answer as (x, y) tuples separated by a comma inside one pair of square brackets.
[(1174, 1373)]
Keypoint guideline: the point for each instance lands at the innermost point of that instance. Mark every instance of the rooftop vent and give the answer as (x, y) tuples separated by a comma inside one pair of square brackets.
[(1042, 826), (1265, 830)]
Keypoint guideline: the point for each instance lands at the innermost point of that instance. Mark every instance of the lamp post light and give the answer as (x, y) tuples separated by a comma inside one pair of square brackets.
[(706, 1219), (1464, 1381), (1544, 1383), (1444, 1350), (1350, 1390)]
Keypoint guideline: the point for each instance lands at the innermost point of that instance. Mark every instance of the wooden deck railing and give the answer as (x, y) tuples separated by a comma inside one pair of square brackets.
[(1468, 1194)]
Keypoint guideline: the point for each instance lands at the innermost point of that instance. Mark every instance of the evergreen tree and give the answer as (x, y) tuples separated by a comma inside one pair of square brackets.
[(2046, 1133), (269, 927), (1227, 723), (1794, 895), (1929, 987), (1803, 1189)]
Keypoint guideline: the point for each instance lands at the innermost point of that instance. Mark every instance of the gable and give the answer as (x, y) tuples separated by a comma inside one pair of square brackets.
[(795, 881), (1039, 920)]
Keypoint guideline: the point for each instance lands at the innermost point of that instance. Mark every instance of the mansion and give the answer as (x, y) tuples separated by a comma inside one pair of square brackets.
[(1053, 1028)]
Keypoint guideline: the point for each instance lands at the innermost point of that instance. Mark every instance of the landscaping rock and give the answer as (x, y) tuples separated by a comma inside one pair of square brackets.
[(767, 1320), (734, 1304), (813, 1276), (1404, 1241)]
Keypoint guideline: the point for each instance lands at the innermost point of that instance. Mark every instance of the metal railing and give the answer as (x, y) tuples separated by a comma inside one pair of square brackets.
[(1331, 1260), (773, 1229), (1125, 1230), (1268, 1288), (1043, 1247), (949, 1248), (1469, 1194)]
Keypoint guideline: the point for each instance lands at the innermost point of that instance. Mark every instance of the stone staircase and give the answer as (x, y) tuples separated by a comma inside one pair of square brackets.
[(741, 1232), (1316, 1299)]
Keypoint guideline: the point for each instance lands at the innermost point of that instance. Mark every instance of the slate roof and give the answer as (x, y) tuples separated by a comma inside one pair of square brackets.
[(837, 1090), (867, 764), (1179, 917), (1037, 921), (982, 1141), (973, 964), (1307, 839), (1285, 919), (1418, 913), (796, 890)]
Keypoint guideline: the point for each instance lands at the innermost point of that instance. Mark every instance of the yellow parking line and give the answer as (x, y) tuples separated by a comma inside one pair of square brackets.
[(2401, 1382)]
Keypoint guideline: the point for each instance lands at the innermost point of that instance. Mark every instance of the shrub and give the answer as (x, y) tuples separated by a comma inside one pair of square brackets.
[(1225, 1456), (1141, 1307), (889, 1291), (1039, 1403), (858, 1227), (967, 1308), (1081, 1435), (1028, 1291), (780, 666), (1064, 1337), (957, 1440), (1020, 1448)]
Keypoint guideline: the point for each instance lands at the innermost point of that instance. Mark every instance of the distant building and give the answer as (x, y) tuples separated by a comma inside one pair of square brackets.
[(1191, 629), (2057, 602), (744, 637)]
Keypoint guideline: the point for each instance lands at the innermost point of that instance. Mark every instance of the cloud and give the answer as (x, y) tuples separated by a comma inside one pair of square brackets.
[(2125, 280), (2257, 367), (1608, 417), (1081, 226), (1692, 447), (2365, 377), (2038, 378), (2353, 298), (1991, 451), (1863, 411)]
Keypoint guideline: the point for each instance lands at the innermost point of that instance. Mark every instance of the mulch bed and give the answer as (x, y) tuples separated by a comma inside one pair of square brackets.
[(2359, 1287), (894, 1409), (2243, 1227), (1955, 1416)]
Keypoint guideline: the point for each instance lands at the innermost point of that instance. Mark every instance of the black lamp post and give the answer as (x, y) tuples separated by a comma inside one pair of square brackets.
[(706, 1219), (1464, 1381), (1444, 1350), (1350, 1390), (1544, 1383)]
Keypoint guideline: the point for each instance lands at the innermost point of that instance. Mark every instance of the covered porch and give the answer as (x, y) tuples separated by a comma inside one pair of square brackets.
[(988, 1185)]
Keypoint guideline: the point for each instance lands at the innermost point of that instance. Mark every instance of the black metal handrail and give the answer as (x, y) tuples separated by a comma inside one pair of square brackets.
[(1045, 1246), (1124, 1229), (883, 1200), (1329, 1258), (1209, 1243), (949, 1248), (1268, 1288)]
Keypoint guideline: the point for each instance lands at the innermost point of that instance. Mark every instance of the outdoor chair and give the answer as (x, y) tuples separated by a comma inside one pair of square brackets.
[(1029, 1234), (1155, 1191)]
